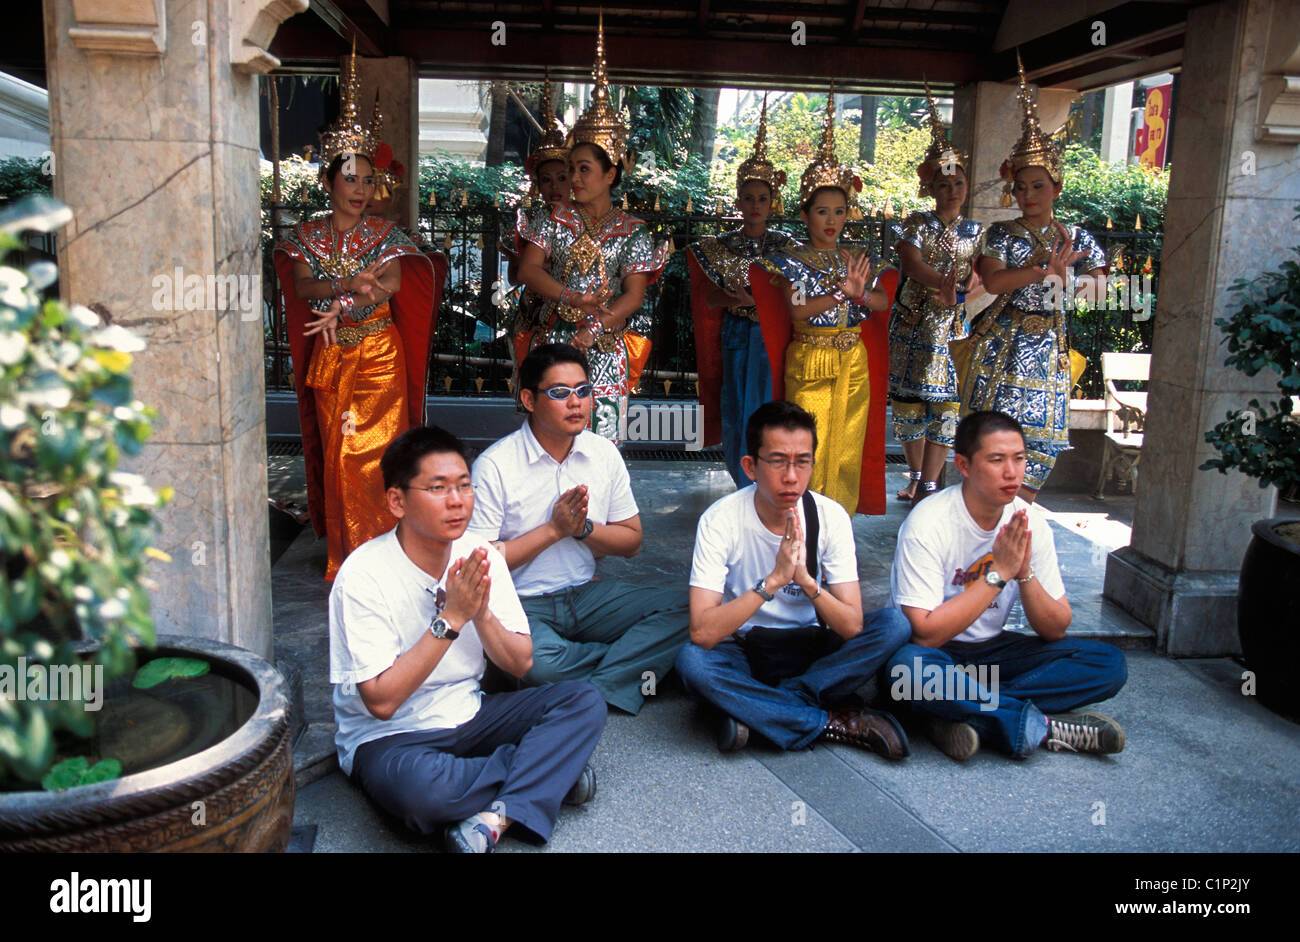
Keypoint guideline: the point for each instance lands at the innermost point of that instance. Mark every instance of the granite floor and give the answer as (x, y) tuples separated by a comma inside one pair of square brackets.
[(1205, 768)]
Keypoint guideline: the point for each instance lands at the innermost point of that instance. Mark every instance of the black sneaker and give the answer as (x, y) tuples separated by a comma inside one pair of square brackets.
[(584, 789), (733, 735), (1087, 731)]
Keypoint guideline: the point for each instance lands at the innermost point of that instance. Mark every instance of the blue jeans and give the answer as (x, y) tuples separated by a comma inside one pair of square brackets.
[(792, 713), (746, 385), (1033, 677)]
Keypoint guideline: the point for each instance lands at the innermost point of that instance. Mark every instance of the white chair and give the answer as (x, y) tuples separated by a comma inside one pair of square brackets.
[(1122, 447)]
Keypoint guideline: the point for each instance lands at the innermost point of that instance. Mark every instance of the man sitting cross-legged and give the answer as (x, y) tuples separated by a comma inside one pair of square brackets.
[(412, 614), (556, 496), (778, 639), (963, 557)]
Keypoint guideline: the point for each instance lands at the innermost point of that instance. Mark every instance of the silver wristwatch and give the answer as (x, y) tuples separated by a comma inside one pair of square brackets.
[(993, 579), (443, 631), (761, 589)]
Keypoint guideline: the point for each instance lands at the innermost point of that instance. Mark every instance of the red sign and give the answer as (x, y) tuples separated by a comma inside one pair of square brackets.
[(1151, 137)]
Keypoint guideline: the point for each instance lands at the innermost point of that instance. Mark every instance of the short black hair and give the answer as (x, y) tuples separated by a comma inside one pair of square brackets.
[(975, 426), (602, 158), (546, 356), (777, 414), (335, 165), (401, 461)]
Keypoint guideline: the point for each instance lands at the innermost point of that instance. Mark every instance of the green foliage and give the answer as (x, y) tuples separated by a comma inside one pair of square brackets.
[(165, 668), (793, 138), (78, 771), (1264, 334), (74, 531), (20, 176), (1095, 191)]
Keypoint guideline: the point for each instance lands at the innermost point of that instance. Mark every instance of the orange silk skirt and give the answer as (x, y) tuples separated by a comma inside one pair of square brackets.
[(361, 407)]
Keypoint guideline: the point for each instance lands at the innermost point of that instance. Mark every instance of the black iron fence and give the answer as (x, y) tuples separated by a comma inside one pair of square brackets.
[(472, 353)]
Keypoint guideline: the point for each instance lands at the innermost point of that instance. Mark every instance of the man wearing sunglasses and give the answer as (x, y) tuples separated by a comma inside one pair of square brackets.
[(413, 615), (778, 640), (555, 496)]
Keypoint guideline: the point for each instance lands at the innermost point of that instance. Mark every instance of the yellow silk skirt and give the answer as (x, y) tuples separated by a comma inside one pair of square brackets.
[(361, 408), (833, 386)]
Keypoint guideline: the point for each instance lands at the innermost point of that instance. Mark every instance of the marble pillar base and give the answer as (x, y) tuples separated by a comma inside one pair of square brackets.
[(1194, 614)]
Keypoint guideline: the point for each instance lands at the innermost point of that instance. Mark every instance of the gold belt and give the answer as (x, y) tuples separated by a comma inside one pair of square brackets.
[(841, 340), (349, 335), (748, 313), (607, 341)]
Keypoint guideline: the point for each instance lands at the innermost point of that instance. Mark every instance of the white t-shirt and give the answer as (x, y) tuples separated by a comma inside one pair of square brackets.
[(941, 550), (516, 484), (381, 605), (733, 550)]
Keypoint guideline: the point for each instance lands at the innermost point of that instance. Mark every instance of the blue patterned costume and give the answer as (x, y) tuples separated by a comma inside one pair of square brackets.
[(922, 378), (746, 375), (1020, 360)]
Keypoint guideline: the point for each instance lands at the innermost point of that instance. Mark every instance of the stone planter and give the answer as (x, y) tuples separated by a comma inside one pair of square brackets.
[(1267, 619), (244, 784)]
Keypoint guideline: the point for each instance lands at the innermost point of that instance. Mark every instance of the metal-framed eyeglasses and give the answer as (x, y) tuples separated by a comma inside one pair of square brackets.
[(462, 490), (785, 462)]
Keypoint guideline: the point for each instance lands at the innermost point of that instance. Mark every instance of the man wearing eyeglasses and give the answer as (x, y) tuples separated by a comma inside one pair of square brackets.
[(555, 496), (413, 615), (778, 640)]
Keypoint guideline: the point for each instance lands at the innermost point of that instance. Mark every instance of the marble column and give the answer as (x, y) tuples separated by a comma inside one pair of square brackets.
[(1232, 193), (397, 81), (153, 123)]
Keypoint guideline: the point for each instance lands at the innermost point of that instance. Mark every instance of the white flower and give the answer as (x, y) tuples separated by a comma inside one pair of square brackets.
[(123, 414), (12, 348), (68, 354), (112, 609), (56, 397), (117, 338), (135, 493), (12, 285), (82, 593), (60, 559), (11, 418), (84, 316)]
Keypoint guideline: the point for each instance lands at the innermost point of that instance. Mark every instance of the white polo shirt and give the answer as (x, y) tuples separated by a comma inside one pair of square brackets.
[(381, 605), (942, 550), (516, 484)]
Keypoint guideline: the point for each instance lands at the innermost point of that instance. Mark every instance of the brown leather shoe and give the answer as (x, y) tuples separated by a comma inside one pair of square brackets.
[(869, 729)]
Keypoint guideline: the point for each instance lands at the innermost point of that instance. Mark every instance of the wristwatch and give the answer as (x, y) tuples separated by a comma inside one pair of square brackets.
[(443, 631), (993, 579), (761, 589), (587, 527)]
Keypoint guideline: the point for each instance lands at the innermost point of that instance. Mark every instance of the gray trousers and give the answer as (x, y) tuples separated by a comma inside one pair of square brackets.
[(518, 757), (621, 637)]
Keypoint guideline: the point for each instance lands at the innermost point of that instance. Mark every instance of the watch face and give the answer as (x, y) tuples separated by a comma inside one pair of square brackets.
[(993, 579)]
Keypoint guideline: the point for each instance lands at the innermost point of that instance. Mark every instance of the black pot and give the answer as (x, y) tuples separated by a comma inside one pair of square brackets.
[(243, 784), (1268, 618)]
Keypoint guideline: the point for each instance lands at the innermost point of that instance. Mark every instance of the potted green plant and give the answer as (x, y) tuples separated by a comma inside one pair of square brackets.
[(1263, 441), (75, 540)]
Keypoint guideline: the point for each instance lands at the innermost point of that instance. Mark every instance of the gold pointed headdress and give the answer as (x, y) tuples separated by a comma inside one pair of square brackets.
[(347, 135), (757, 166), (940, 156), (1034, 149), (825, 170), (552, 143), (600, 124)]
